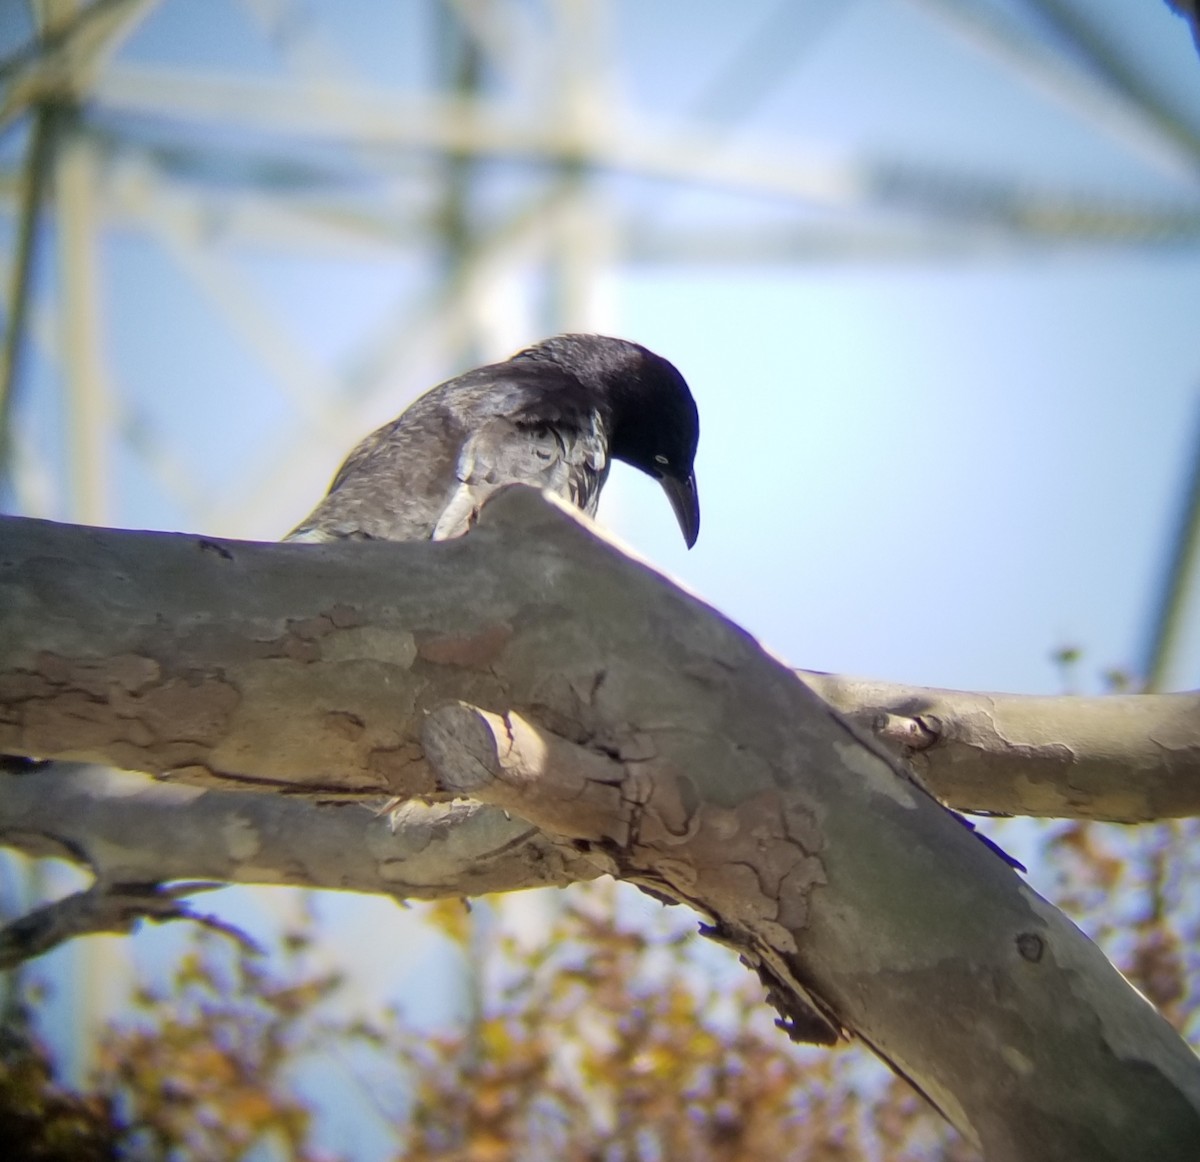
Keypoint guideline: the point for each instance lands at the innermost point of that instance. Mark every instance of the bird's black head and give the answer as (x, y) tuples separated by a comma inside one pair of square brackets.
[(652, 418)]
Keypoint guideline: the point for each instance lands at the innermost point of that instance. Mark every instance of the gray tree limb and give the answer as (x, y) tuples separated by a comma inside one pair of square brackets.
[(126, 827), (1115, 758), (534, 667), (1002, 753), (110, 908), (1124, 759), (984, 752)]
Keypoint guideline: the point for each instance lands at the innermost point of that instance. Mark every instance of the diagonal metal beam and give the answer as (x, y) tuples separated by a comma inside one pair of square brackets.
[(61, 63), (1190, 11), (394, 359), (1070, 85), (1106, 62), (262, 331), (1176, 586)]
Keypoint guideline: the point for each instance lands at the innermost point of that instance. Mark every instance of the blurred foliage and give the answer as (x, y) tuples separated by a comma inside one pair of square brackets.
[(1133, 891), (204, 1067), (598, 1037), (40, 1121), (597, 1040), (601, 1042)]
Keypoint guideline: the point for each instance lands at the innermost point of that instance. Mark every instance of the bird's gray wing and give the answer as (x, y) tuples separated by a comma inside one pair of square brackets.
[(393, 486), (570, 462)]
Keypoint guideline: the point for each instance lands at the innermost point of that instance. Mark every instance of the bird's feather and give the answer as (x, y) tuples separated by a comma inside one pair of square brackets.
[(572, 464)]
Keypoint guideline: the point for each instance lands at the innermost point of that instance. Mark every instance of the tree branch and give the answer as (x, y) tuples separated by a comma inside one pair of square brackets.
[(128, 827), (1115, 758), (108, 908), (1124, 759), (535, 666)]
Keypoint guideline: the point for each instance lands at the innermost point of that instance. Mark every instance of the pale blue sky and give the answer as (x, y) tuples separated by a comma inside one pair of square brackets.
[(933, 475)]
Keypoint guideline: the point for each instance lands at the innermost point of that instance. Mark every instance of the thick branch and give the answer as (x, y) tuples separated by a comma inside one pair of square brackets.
[(978, 752), (1125, 759), (1049, 967), (533, 664)]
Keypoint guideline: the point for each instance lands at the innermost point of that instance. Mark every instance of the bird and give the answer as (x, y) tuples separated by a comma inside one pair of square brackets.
[(555, 415)]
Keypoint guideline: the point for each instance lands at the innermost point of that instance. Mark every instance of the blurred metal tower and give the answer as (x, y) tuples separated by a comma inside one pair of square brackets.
[(501, 166), (111, 146)]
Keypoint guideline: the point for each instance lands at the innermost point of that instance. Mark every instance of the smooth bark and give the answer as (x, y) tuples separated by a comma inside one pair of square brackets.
[(1120, 758)]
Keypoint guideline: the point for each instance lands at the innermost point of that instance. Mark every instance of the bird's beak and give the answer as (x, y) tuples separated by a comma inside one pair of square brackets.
[(685, 502)]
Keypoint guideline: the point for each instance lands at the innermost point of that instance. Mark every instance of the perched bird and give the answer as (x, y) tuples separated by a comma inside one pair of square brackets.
[(553, 416)]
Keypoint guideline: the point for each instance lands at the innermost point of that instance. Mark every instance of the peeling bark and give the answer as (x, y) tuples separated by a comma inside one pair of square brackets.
[(534, 667)]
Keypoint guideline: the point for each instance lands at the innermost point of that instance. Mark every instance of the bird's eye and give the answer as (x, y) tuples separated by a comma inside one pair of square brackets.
[(661, 459)]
